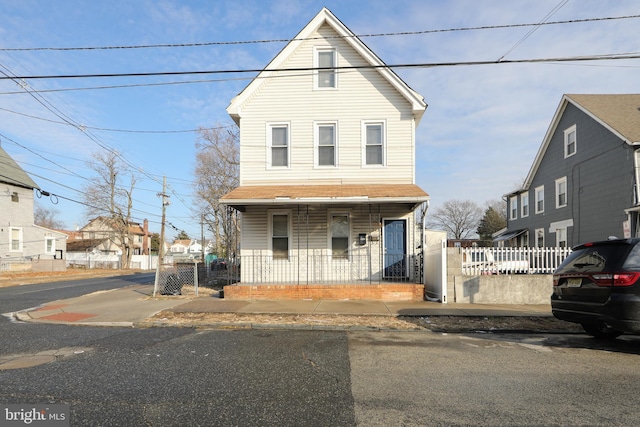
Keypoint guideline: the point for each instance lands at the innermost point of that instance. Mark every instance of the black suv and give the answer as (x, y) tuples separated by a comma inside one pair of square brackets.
[(598, 286)]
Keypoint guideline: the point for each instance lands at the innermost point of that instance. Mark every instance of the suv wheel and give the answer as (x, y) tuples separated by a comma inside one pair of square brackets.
[(601, 331)]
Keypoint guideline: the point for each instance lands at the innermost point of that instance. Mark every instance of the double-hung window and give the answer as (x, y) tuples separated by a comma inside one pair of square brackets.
[(561, 192), (540, 237), (278, 145), (539, 199), (513, 207), (16, 239), (49, 245), (524, 204), (570, 141), (561, 237), (374, 143), (279, 225), (326, 63), (326, 144), (339, 230)]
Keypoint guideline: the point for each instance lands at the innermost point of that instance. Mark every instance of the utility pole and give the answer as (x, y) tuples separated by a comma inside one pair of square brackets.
[(165, 203), (202, 236)]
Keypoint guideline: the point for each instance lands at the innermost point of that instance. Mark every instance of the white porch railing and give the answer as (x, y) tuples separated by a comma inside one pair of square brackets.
[(494, 260)]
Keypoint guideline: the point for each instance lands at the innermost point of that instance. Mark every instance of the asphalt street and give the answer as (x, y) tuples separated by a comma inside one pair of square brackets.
[(176, 376)]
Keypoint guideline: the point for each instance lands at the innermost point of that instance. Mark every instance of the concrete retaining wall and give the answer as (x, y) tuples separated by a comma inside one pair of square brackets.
[(501, 289)]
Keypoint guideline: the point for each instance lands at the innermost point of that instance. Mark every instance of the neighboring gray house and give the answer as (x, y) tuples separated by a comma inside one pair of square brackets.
[(327, 191), (20, 239), (584, 184)]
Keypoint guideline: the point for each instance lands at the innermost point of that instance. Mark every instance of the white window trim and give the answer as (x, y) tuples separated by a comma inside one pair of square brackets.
[(270, 214), (316, 65), (560, 181), (539, 190), (559, 232), (53, 245), (269, 140), (20, 238), (331, 213), (539, 231), (523, 197), (363, 131), (567, 132), (316, 143), (513, 207)]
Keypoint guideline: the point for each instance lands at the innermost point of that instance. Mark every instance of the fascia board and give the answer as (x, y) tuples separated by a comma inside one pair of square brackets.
[(545, 142)]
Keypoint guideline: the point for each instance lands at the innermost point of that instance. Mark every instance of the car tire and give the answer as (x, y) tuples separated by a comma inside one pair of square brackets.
[(601, 331)]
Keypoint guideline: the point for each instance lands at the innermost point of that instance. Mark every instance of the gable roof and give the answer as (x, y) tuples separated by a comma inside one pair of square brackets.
[(620, 114), (326, 17), (13, 174), (84, 245)]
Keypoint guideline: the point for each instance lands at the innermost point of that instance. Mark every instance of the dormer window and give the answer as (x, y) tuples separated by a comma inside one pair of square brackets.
[(326, 63)]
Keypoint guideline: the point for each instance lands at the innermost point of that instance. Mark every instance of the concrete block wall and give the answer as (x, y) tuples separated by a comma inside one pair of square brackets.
[(501, 289)]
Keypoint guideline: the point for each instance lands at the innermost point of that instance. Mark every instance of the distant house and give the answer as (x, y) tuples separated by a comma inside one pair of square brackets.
[(584, 184), (180, 246), (187, 249), (20, 239), (327, 189), (104, 228)]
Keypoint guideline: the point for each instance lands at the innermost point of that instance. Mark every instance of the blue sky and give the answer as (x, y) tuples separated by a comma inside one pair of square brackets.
[(477, 140)]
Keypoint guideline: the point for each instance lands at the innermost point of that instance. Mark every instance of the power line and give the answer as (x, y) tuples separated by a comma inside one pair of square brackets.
[(110, 129), (535, 27), (244, 42), (603, 57)]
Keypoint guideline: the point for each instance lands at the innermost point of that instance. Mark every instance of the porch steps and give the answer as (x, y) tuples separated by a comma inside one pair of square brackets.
[(380, 292)]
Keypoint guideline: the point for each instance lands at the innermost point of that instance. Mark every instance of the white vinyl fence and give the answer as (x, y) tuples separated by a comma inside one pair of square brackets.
[(493, 260)]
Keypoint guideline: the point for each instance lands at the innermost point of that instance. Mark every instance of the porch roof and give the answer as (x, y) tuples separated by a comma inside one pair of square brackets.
[(324, 194)]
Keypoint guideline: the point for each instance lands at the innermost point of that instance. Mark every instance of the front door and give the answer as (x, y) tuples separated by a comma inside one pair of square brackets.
[(395, 248)]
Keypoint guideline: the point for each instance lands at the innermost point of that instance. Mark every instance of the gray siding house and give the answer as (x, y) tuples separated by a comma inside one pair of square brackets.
[(584, 182), (22, 243)]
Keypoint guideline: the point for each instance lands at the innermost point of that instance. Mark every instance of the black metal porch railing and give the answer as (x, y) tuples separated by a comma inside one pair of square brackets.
[(321, 269)]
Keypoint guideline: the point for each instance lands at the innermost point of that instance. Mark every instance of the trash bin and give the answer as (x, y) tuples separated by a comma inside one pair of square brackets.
[(172, 286)]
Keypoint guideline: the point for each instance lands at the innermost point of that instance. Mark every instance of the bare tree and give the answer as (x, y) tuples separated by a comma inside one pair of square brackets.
[(217, 173), (459, 218), (106, 197), (47, 217)]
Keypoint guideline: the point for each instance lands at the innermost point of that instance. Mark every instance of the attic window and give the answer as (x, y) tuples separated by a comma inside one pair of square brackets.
[(570, 141), (14, 197), (326, 61)]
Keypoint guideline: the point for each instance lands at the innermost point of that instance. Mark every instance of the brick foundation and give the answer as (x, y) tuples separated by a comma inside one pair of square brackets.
[(381, 292)]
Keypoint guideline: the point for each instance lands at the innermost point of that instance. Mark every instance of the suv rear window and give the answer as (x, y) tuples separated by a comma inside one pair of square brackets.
[(602, 257)]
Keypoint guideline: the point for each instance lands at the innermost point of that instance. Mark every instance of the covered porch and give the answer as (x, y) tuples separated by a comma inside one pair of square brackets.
[(328, 242)]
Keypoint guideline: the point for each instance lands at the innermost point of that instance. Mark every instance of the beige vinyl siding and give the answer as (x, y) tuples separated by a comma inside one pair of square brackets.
[(314, 219), (361, 95), (309, 241)]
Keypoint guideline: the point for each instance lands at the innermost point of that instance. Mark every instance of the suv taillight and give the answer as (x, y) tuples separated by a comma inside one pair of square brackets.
[(617, 279)]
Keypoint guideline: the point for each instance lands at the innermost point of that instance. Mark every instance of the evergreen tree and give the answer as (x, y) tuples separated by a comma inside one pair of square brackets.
[(492, 221)]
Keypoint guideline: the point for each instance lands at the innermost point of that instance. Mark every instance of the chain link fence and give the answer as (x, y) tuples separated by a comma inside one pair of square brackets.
[(176, 279)]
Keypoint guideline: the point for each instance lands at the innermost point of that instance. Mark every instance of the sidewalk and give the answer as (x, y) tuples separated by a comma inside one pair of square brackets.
[(131, 306)]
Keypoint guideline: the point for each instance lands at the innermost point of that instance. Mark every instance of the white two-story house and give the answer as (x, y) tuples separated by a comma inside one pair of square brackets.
[(327, 191), (24, 245)]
